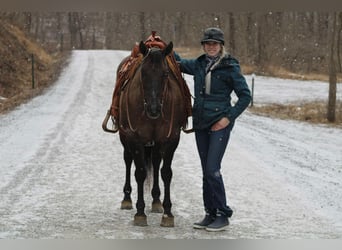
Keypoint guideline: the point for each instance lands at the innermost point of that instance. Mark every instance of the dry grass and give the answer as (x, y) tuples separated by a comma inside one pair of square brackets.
[(312, 112), (30, 46), (21, 94), (16, 67), (286, 74)]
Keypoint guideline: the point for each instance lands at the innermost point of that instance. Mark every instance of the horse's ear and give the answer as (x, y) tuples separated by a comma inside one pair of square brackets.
[(168, 49), (142, 47)]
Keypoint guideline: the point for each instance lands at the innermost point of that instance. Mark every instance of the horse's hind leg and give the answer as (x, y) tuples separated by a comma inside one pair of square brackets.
[(156, 203), (127, 201)]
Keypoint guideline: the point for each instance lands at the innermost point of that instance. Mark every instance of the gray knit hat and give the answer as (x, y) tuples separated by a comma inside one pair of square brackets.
[(213, 35)]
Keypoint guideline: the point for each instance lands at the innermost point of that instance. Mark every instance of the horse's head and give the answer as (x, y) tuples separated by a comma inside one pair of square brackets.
[(154, 76)]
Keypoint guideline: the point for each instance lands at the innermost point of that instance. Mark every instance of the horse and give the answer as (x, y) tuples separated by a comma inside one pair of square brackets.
[(152, 114)]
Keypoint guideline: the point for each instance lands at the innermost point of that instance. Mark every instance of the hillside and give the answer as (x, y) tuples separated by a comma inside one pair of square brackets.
[(16, 50)]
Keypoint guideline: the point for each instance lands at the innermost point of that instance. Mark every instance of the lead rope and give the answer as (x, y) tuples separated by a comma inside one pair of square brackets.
[(172, 111)]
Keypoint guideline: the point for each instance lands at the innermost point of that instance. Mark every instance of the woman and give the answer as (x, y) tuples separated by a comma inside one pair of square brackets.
[(216, 76)]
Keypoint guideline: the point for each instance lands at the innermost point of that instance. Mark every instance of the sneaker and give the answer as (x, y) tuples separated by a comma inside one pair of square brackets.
[(209, 218), (220, 223)]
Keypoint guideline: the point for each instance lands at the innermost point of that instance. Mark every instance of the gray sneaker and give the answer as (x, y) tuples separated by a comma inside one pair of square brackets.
[(209, 218), (220, 223)]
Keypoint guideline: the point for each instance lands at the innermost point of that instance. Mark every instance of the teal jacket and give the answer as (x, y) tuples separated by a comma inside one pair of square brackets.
[(214, 104)]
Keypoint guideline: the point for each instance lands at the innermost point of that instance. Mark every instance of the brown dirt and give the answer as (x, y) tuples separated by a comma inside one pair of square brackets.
[(16, 50)]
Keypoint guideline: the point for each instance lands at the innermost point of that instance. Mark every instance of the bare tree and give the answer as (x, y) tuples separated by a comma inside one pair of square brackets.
[(339, 43), (231, 33), (261, 40), (332, 68), (296, 41), (142, 19), (75, 29), (60, 34)]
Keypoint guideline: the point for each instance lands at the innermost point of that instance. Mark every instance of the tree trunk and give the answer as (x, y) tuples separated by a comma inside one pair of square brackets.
[(142, 20), (332, 70), (339, 45), (232, 33), (72, 30), (60, 35)]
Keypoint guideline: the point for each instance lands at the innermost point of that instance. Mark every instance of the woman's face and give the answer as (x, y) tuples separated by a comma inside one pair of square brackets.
[(212, 48)]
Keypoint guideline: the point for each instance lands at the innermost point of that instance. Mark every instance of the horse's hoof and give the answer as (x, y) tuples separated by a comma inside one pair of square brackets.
[(140, 220), (167, 221), (157, 207), (126, 205)]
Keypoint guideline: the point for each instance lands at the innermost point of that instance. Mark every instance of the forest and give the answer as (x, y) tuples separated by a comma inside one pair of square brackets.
[(290, 44), (299, 42)]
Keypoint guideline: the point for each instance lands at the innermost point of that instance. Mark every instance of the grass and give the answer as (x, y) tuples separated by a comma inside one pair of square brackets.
[(16, 50), (311, 112)]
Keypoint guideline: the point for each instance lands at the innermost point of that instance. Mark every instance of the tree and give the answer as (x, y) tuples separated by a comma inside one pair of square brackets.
[(332, 68), (339, 43), (142, 20), (231, 33), (295, 41)]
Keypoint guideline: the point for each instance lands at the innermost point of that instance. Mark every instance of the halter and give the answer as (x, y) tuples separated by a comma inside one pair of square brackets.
[(163, 96), (164, 81)]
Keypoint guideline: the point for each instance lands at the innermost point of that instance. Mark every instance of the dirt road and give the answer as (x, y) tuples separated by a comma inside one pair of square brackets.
[(61, 176)]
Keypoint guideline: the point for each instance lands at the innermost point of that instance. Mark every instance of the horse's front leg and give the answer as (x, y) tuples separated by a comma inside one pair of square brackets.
[(166, 174), (127, 201), (140, 218)]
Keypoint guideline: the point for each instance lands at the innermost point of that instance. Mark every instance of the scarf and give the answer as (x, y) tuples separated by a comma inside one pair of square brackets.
[(211, 63)]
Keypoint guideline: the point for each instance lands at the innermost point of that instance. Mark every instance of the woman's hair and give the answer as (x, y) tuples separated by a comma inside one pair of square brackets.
[(223, 50)]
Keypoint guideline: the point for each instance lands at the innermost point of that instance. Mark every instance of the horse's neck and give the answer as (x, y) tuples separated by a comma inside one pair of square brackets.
[(137, 78)]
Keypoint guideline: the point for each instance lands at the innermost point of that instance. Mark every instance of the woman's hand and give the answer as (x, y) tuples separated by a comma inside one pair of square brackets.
[(224, 122)]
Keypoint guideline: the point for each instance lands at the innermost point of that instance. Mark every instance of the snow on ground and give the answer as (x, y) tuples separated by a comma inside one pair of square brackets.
[(61, 176), (275, 90)]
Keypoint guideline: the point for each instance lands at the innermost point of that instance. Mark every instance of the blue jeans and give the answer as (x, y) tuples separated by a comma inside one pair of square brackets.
[(211, 146)]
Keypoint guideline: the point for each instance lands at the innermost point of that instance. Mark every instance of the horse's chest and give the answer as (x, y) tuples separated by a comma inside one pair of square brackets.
[(155, 133)]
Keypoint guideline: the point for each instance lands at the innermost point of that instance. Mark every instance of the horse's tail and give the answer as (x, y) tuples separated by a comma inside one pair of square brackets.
[(149, 168)]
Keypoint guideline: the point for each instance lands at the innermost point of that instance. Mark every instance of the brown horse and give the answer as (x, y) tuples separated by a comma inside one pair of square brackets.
[(152, 114)]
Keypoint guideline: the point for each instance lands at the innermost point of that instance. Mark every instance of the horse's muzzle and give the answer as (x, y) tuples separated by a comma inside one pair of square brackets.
[(153, 110)]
